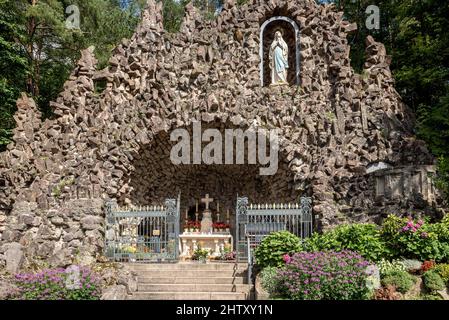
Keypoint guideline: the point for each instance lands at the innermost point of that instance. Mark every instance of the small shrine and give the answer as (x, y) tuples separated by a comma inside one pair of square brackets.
[(210, 233)]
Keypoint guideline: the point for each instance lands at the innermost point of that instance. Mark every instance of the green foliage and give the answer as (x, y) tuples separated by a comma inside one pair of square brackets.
[(270, 280), (401, 280), (386, 266), (37, 51), (362, 238), (272, 249), (433, 281), (443, 270), (200, 254), (406, 238), (430, 296)]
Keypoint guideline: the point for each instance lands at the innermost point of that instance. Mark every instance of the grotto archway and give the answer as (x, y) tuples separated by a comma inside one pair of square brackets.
[(154, 178)]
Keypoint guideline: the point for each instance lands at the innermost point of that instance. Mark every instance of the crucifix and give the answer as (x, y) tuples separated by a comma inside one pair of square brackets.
[(206, 222), (207, 200)]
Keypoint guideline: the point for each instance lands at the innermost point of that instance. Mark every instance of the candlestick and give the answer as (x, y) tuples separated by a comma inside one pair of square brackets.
[(196, 215), (218, 217)]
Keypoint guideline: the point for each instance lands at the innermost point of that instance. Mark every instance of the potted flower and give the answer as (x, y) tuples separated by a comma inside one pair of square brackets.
[(200, 255), (189, 226), (128, 252), (226, 227), (217, 226), (227, 254), (196, 226)]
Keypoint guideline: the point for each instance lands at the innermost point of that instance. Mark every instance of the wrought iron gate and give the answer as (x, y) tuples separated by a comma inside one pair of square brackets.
[(256, 221), (143, 234)]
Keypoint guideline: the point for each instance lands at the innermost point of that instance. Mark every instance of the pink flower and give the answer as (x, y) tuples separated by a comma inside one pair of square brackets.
[(287, 258)]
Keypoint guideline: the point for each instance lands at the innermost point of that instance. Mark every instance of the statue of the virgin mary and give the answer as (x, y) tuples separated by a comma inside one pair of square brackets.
[(278, 60)]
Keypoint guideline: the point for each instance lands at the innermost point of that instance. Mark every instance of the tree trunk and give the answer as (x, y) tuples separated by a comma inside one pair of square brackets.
[(32, 79)]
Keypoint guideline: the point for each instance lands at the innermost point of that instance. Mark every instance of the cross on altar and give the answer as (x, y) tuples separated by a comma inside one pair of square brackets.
[(207, 200)]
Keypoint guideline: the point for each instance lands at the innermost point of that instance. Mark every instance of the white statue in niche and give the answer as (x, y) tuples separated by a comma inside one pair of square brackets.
[(278, 60)]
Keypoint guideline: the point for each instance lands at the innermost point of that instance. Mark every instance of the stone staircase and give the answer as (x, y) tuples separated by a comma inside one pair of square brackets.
[(191, 281)]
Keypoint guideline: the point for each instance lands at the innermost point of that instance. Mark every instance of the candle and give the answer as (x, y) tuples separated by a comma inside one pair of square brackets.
[(196, 205), (187, 214), (218, 206), (227, 214)]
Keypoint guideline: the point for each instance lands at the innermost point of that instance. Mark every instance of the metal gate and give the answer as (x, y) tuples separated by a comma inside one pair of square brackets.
[(143, 234), (255, 221)]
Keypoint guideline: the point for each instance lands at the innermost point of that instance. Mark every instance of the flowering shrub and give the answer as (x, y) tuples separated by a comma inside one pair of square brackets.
[(386, 266), (421, 240), (324, 275), (73, 283), (271, 250)]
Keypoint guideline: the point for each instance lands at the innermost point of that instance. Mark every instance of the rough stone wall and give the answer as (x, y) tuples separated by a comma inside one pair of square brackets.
[(98, 145)]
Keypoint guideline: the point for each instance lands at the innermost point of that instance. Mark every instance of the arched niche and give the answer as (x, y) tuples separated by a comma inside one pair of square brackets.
[(291, 32)]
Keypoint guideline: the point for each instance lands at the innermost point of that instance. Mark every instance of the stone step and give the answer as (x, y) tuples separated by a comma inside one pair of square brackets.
[(191, 273), (180, 279), (185, 266), (189, 296), (149, 287)]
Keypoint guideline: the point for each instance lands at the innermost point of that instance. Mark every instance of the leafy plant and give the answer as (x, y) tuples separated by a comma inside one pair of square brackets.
[(362, 238), (270, 280), (401, 280), (200, 254), (386, 293), (386, 266), (271, 250), (76, 283), (443, 271), (325, 275), (433, 281), (416, 239)]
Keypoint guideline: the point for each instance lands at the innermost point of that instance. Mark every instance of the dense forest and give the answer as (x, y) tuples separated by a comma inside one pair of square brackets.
[(39, 44)]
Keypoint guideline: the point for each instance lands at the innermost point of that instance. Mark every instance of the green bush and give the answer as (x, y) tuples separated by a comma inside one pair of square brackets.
[(430, 297), (362, 238), (401, 280), (271, 250), (433, 281), (412, 239), (270, 280), (443, 271)]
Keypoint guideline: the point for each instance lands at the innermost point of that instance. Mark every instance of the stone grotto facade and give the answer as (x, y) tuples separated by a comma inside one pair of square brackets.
[(347, 139)]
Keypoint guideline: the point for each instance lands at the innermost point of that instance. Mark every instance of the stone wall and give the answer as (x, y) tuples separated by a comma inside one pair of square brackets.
[(100, 145)]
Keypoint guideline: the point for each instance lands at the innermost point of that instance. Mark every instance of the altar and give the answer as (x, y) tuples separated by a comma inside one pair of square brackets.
[(206, 235), (215, 243)]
